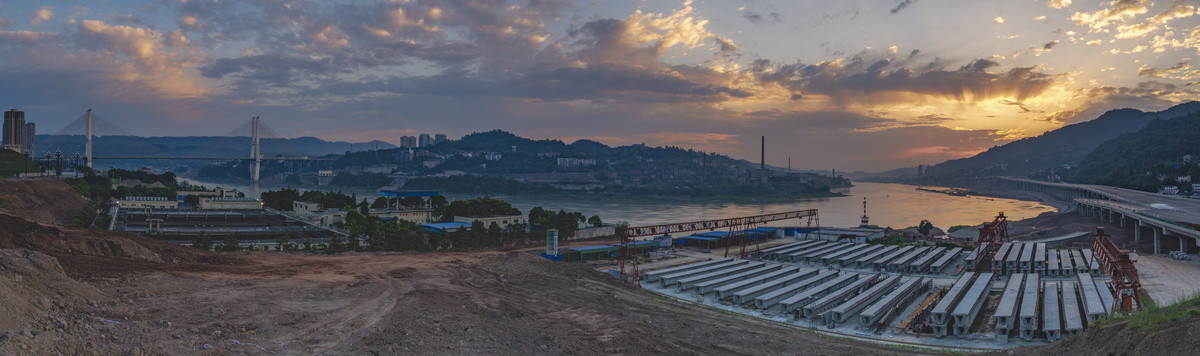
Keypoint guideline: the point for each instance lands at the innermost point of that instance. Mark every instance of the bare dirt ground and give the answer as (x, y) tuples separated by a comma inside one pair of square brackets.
[(54, 202), (70, 291)]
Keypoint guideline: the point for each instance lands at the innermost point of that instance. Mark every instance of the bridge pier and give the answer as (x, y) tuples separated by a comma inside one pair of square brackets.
[(1158, 232), (1122, 220), (1137, 231)]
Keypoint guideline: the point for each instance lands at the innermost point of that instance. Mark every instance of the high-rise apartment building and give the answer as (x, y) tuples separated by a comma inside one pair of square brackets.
[(424, 140), (14, 131), (30, 136), (408, 141)]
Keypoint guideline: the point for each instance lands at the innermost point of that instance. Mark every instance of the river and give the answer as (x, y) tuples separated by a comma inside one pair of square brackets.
[(894, 205)]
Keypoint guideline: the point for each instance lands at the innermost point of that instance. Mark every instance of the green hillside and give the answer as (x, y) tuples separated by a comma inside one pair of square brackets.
[(12, 163), (1137, 160)]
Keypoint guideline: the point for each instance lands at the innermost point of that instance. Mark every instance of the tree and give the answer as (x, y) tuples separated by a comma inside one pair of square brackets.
[(283, 241), (230, 244), (595, 221), (925, 227), (308, 244), (202, 241), (335, 245)]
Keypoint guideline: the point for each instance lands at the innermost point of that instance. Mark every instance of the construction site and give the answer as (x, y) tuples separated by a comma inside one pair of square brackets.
[(755, 291)]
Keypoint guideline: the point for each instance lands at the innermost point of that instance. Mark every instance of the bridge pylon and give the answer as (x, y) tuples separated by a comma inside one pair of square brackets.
[(254, 148), (88, 149)]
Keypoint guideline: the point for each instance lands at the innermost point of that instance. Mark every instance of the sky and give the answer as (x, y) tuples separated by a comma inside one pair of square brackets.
[(847, 85)]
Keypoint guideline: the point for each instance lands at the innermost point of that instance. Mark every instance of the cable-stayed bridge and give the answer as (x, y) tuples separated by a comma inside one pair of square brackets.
[(90, 125)]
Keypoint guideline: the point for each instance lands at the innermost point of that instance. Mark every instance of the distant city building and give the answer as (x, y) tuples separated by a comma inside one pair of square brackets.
[(14, 131), (431, 163), (30, 136), (492, 156), (1170, 190), (439, 138), (1187, 158), (572, 162), (424, 140), (408, 141)]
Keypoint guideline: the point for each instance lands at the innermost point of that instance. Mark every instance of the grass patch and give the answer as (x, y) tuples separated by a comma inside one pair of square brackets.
[(1155, 317)]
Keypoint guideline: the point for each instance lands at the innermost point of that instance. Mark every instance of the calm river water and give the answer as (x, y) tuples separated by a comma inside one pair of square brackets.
[(892, 205)]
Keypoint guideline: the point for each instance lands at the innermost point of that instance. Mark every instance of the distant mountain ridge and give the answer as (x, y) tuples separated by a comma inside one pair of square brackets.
[(1068, 145), (198, 146)]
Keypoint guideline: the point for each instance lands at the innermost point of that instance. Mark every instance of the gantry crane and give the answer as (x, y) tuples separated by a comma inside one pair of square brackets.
[(1126, 285), (991, 235), (738, 227)]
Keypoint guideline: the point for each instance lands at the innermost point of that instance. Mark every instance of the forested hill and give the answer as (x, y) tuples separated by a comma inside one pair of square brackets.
[(1054, 149), (198, 146), (1147, 159)]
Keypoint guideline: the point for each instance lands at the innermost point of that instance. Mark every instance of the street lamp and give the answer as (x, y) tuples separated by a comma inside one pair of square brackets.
[(26, 162)]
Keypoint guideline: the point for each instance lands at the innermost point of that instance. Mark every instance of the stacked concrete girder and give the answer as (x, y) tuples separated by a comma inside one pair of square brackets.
[(939, 317), (1106, 295), (750, 293), (810, 295), (790, 248), (850, 258), (922, 263), (832, 256), (885, 260), (940, 265), (656, 275), (1039, 258), (687, 282), (867, 260), (1053, 267), (728, 290), (1052, 315), (1068, 261), (1083, 262), (1000, 257), (852, 307), (894, 300), (671, 279), (1072, 320), (707, 286), (1029, 306), (1006, 311), (832, 299), (900, 264), (805, 254), (968, 308), (1012, 262), (768, 251), (969, 261), (770, 299), (1093, 307), (786, 255), (1025, 264)]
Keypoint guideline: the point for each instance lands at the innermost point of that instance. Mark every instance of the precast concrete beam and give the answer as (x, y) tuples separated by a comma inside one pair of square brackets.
[(770, 299), (1051, 315), (850, 308), (726, 291), (939, 317), (754, 291), (689, 282), (651, 276), (877, 310), (1006, 310), (868, 259), (1029, 307), (1072, 320), (670, 279), (707, 286), (968, 308), (940, 265), (817, 308), (810, 295), (1093, 306)]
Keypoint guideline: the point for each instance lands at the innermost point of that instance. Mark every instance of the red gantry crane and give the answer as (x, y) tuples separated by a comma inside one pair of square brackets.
[(739, 228), (1126, 285), (993, 234)]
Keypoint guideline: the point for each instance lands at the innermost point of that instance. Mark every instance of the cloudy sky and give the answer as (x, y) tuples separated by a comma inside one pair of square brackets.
[(869, 85)]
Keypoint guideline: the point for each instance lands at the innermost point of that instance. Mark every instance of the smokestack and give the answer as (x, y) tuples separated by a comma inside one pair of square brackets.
[(763, 157)]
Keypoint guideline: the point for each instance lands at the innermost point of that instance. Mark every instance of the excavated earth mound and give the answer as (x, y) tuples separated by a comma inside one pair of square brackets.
[(47, 201)]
